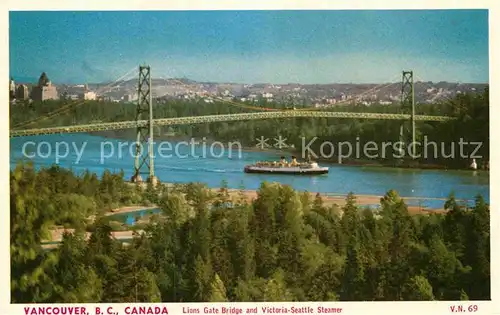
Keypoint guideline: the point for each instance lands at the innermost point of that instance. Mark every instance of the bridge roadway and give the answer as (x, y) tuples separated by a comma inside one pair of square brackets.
[(217, 118)]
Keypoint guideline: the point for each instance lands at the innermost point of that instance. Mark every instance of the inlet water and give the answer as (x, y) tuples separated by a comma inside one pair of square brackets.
[(94, 154)]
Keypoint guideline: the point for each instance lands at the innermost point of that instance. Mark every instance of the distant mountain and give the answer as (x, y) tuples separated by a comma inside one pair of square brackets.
[(161, 81), (326, 94), (175, 81)]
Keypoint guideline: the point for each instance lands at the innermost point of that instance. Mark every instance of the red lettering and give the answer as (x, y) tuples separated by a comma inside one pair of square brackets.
[(472, 308)]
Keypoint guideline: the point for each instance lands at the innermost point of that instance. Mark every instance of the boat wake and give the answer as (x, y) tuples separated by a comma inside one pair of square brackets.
[(198, 169)]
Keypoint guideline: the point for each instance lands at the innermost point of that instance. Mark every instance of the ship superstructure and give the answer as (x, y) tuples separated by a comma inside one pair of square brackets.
[(284, 167)]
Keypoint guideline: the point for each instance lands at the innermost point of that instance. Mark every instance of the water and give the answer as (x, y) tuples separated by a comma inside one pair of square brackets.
[(129, 218), (212, 170)]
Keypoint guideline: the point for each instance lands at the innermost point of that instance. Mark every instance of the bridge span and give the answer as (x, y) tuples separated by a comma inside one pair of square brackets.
[(218, 118), (145, 122)]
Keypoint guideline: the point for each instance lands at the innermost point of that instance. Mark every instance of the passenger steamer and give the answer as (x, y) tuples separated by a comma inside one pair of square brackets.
[(283, 167)]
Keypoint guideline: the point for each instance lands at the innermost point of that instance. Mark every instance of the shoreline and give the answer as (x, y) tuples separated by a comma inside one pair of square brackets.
[(249, 195), (329, 199), (129, 209)]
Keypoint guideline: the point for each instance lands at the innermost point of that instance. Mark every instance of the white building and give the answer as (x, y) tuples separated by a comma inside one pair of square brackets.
[(89, 96), (12, 86), (130, 97)]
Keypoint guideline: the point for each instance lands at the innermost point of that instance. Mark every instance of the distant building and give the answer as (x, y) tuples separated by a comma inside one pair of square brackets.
[(87, 95), (44, 90), (103, 98), (79, 92), (22, 92), (72, 97), (12, 89), (130, 98)]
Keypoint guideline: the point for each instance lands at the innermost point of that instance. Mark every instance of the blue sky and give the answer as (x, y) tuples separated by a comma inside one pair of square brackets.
[(252, 46)]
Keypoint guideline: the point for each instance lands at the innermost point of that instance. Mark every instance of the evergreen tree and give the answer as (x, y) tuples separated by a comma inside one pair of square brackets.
[(28, 227), (284, 246), (418, 289), (217, 290)]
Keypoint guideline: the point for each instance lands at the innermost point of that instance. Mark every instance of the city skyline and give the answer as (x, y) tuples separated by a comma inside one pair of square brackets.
[(253, 46)]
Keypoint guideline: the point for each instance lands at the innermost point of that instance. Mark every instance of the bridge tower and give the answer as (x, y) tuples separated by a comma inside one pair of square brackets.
[(144, 155), (408, 105)]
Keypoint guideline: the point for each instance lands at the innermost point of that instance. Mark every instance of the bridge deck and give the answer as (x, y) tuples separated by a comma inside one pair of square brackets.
[(218, 118)]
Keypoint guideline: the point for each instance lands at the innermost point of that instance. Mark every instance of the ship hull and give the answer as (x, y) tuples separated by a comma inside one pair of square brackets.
[(287, 171)]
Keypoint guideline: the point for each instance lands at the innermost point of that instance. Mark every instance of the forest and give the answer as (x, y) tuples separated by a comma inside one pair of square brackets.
[(471, 125), (203, 246)]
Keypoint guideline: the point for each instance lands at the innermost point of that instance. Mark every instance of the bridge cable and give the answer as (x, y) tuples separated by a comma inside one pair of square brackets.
[(377, 88), (74, 105), (71, 105), (68, 107), (62, 109), (429, 86), (232, 102), (380, 86), (357, 97)]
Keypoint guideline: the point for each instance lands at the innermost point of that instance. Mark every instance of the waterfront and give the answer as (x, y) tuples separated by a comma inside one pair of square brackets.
[(212, 170)]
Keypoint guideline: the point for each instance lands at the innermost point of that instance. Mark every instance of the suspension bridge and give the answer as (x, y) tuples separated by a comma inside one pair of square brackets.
[(145, 121)]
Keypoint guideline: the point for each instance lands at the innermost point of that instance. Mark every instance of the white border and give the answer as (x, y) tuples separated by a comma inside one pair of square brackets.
[(365, 308), (348, 307)]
